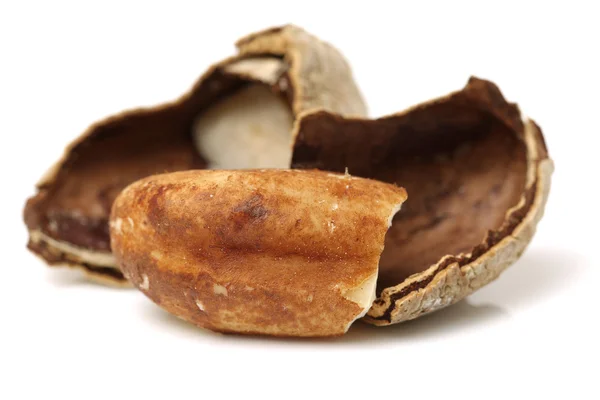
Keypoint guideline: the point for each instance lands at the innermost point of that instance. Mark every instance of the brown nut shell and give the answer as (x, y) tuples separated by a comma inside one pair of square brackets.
[(67, 219), (478, 176), (278, 252)]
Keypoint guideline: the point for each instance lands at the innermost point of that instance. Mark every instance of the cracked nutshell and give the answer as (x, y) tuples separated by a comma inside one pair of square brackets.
[(264, 201)]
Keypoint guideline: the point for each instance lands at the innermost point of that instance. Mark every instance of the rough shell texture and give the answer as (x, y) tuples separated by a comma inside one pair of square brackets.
[(68, 217), (456, 276), (478, 176), (279, 252)]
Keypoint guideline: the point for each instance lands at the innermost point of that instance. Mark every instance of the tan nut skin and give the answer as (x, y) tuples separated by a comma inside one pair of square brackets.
[(278, 252)]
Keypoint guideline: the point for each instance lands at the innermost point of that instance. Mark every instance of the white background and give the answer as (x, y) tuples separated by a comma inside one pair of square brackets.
[(533, 333)]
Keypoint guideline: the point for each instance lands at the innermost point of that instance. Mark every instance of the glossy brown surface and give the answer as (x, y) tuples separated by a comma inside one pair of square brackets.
[(269, 251)]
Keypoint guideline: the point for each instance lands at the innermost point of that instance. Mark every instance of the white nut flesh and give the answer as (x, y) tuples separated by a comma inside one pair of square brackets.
[(247, 130)]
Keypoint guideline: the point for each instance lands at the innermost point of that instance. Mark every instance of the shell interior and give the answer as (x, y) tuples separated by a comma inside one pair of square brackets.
[(462, 166), (69, 216)]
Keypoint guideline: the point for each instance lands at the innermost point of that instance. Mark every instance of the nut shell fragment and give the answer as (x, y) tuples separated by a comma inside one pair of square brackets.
[(478, 176), (67, 218), (279, 252)]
